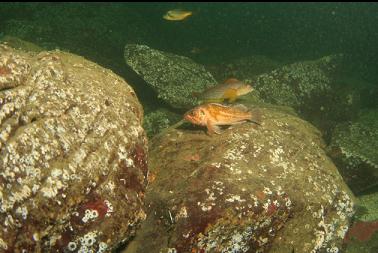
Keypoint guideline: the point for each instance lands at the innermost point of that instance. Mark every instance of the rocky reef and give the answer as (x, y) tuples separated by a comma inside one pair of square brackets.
[(268, 188), (362, 237), (292, 85), (72, 154), (354, 149), (173, 77), (158, 120), (245, 68)]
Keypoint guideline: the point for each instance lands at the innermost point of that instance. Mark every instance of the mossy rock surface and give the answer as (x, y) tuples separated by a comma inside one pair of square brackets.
[(72, 154), (173, 77), (267, 188), (295, 84), (354, 148)]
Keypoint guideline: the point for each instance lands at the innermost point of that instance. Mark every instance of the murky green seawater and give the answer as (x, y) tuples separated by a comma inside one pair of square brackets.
[(319, 60)]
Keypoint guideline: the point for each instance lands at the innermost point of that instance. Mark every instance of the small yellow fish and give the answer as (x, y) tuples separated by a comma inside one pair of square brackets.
[(229, 90), (177, 15), (213, 115)]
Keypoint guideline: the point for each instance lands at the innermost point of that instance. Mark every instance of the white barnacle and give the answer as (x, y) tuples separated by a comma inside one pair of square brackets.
[(109, 206), (94, 214), (72, 246), (102, 247), (23, 211), (3, 244), (288, 203), (334, 249), (267, 190), (172, 250), (89, 239)]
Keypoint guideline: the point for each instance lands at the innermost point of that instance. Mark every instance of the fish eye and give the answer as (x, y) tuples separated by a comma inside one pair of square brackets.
[(202, 113)]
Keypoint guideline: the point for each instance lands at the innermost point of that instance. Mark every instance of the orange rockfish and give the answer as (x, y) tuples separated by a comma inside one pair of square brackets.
[(230, 90), (213, 115), (177, 15)]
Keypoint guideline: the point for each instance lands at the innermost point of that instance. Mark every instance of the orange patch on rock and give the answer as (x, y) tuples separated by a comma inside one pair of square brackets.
[(260, 195), (195, 157), (4, 70), (362, 231)]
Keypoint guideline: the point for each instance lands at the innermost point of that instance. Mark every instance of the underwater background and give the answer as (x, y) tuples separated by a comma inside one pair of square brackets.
[(312, 61)]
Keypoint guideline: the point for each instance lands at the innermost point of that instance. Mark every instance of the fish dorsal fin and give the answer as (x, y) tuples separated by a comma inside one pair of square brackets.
[(231, 81), (218, 104)]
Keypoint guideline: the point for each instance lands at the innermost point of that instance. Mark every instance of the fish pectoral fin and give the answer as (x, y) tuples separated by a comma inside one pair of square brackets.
[(211, 128), (231, 95), (238, 122)]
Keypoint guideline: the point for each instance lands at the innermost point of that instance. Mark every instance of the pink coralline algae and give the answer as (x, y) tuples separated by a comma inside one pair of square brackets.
[(362, 231)]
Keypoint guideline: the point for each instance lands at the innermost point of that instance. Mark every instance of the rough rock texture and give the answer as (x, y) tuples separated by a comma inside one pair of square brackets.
[(158, 120), (18, 43), (293, 85), (362, 237), (245, 68), (269, 188), (354, 149), (72, 154), (173, 77)]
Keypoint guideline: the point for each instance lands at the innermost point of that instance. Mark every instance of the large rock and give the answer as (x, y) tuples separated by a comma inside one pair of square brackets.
[(293, 85), (353, 147), (173, 77), (245, 68), (72, 154), (362, 237), (318, 90), (269, 188)]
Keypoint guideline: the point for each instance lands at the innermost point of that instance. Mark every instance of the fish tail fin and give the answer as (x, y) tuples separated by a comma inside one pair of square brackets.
[(255, 116)]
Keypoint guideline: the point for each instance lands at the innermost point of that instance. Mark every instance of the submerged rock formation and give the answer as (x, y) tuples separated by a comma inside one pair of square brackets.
[(268, 188), (72, 154), (362, 237), (354, 149), (173, 77), (297, 84), (158, 120)]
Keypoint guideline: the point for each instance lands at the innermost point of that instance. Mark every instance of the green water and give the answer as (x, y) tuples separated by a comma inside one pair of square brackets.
[(226, 31), (218, 34)]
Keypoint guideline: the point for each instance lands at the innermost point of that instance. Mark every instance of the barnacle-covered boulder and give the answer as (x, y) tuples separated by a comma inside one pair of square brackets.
[(295, 84), (72, 154), (267, 188), (245, 68), (173, 77), (353, 147)]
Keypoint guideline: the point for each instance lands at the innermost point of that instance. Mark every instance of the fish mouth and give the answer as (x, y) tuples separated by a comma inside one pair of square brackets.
[(249, 87), (190, 118), (187, 117)]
